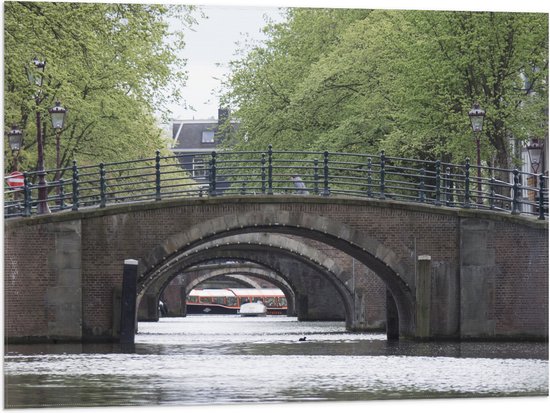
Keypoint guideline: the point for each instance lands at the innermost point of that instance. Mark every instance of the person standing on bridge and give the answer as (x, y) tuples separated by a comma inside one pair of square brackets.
[(299, 185)]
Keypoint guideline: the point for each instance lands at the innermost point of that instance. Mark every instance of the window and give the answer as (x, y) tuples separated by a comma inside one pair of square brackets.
[(270, 302), (208, 136), (199, 167), (218, 300)]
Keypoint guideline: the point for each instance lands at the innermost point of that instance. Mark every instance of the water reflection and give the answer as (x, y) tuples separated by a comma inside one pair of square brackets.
[(226, 359)]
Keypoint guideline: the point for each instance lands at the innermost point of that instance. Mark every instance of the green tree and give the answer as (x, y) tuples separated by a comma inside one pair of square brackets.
[(263, 84), (455, 58), (109, 64), (402, 81)]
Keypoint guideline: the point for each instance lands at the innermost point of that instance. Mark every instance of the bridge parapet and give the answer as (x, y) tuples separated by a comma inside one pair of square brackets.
[(322, 174)]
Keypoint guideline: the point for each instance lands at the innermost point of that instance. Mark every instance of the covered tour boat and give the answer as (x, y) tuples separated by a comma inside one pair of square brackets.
[(230, 300)]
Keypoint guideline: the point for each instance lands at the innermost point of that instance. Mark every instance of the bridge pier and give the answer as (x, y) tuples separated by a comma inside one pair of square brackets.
[(128, 303), (148, 307), (392, 318), (316, 300), (423, 297), (368, 293), (359, 313)]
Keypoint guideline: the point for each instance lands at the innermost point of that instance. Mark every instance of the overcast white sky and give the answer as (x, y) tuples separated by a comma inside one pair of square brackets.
[(214, 42), (214, 39)]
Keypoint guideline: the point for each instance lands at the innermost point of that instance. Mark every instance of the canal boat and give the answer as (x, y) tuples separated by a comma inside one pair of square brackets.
[(230, 300), (257, 309)]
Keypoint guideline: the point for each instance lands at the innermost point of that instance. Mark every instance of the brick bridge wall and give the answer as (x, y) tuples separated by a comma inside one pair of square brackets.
[(488, 272)]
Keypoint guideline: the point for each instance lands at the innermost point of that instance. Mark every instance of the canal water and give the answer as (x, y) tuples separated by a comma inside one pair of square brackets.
[(223, 360)]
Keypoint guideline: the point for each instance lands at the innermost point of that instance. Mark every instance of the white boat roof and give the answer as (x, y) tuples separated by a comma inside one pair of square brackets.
[(258, 292), (232, 292), (214, 292)]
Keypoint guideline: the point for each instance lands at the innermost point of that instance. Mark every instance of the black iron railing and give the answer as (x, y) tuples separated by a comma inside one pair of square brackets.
[(274, 172)]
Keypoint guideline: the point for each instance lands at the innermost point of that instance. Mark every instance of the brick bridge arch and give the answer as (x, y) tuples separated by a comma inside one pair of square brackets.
[(367, 250), (233, 271), (258, 271), (277, 253), (194, 276)]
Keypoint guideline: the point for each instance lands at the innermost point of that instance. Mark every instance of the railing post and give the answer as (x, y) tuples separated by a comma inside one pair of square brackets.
[(515, 193), (422, 188), (102, 186), (492, 190), (61, 194), (27, 209), (541, 196), (316, 176), (382, 175), (449, 197), (369, 177), (75, 183), (467, 184), (212, 175), (263, 173), (326, 190), (438, 183), (243, 188), (157, 176), (270, 169)]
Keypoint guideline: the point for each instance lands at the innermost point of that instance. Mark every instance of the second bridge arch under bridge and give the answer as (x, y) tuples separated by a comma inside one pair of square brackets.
[(372, 253)]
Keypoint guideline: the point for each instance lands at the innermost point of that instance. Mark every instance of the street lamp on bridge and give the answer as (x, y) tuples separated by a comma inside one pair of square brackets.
[(36, 76), (477, 116), (15, 139), (57, 113), (535, 152)]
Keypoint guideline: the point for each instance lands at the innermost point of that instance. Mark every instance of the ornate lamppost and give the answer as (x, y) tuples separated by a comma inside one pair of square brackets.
[(36, 76), (477, 116), (57, 114), (535, 151), (15, 138)]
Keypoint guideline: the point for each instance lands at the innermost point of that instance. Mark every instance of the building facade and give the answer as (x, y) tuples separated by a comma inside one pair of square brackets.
[(194, 140)]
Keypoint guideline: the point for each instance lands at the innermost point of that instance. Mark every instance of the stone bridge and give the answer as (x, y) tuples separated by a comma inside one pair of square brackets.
[(437, 272)]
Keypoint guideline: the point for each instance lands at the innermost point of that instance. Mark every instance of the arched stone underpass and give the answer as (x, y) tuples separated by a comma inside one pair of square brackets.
[(316, 280), (256, 271), (194, 276), (396, 273)]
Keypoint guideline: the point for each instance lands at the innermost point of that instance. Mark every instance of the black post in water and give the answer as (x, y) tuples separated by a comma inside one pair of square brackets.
[(128, 302)]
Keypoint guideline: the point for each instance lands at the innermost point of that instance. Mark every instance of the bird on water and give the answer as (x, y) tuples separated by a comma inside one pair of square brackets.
[(302, 339)]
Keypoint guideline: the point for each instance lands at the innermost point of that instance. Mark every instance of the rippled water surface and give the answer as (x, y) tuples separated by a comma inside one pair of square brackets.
[(227, 359)]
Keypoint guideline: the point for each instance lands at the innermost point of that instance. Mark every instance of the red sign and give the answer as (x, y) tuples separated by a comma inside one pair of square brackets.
[(15, 179)]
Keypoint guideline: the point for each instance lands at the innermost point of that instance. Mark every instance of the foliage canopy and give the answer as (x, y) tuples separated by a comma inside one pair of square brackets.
[(109, 64), (399, 81)]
